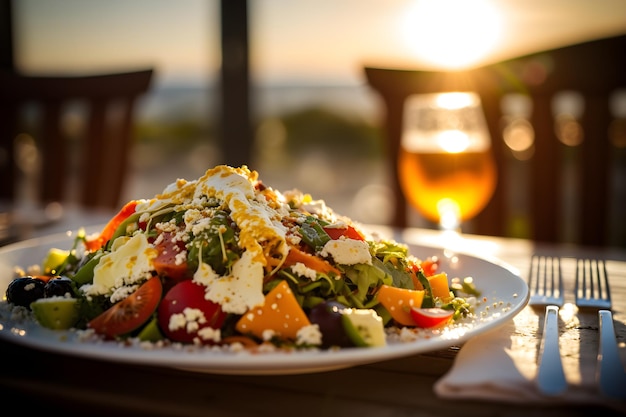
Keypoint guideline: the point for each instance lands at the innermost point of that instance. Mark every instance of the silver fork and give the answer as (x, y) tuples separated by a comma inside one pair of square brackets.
[(592, 291), (546, 290)]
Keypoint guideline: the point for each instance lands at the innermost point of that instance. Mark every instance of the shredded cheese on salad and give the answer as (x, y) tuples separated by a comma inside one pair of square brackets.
[(227, 260)]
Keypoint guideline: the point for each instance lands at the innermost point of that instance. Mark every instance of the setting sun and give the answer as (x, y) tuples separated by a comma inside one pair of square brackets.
[(452, 33)]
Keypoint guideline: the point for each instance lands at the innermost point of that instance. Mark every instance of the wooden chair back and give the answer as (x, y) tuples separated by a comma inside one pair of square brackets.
[(568, 186), (88, 157)]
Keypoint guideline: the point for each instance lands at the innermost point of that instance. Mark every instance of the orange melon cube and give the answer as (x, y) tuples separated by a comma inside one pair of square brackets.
[(399, 301), (439, 286), (280, 313)]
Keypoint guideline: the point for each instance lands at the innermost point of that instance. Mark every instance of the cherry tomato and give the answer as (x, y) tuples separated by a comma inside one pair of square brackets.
[(168, 263), (349, 232), (184, 312), (430, 266), (130, 313), (431, 317)]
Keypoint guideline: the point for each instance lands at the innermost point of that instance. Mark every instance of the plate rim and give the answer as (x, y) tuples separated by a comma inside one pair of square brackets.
[(272, 363)]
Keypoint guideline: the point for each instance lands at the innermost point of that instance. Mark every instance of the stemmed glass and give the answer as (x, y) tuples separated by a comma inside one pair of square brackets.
[(446, 167)]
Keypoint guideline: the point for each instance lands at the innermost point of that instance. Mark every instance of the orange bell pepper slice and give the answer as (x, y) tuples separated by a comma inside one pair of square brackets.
[(296, 255)]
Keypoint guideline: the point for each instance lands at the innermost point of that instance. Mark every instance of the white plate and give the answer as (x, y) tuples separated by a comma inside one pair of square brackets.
[(505, 293)]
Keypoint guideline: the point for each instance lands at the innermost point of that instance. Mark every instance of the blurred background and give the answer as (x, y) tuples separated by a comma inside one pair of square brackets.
[(315, 121)]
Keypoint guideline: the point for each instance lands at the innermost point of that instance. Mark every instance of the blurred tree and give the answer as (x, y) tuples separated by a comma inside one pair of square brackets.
[(318, 128)]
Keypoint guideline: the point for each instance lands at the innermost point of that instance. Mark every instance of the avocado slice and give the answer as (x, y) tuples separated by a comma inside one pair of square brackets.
[(151, 332), (364, 327), (57, 313)]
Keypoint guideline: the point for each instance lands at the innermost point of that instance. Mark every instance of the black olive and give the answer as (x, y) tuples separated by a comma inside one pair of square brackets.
[(327, 316), (23, 291), (59, 286)]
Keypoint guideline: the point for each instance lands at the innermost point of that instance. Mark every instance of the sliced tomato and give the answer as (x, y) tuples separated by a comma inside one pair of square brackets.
[(296, 255), (111, 226), (168, 263), (431, 317), (348, 232), (193, 312), (130, 313)]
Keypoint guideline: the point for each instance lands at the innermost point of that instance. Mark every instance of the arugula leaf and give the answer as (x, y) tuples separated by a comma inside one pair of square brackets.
[(313, 234), (364, 277), (217, 243), (399, 277), (428, 300), (392, 258)]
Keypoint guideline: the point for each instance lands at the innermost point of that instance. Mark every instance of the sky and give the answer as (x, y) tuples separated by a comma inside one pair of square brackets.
[(300, 41)]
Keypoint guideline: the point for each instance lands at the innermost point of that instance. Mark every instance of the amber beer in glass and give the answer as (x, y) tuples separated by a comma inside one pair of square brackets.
[(446, 167)]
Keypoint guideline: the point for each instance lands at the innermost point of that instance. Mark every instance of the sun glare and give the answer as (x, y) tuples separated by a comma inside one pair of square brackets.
[(453, 141), (452, 101), (452, 33)]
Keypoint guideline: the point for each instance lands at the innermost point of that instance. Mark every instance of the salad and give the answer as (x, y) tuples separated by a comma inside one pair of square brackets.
[(226, 260)]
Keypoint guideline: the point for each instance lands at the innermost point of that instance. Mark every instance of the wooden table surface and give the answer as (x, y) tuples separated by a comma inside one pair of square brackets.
[(33, 380)]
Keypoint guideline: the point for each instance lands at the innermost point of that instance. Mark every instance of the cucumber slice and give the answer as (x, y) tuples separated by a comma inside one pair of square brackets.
[(85, 274), (364, 327), (151, 332), (57, 313)]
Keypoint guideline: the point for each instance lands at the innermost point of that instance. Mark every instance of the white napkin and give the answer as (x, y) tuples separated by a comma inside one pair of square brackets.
[(501, 365)]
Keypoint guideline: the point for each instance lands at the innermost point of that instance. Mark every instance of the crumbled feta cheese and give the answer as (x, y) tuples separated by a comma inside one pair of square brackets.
[(191, 216), (189, 320), (309, 335), (257, 222), (169, 226), (294, 239), (348, 251), (128, 264), (304, 271), (122, 292), (236, 293), (198, 225), (320, 209), (268, 334), (210, 334), (180, 257), (177, 322)]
